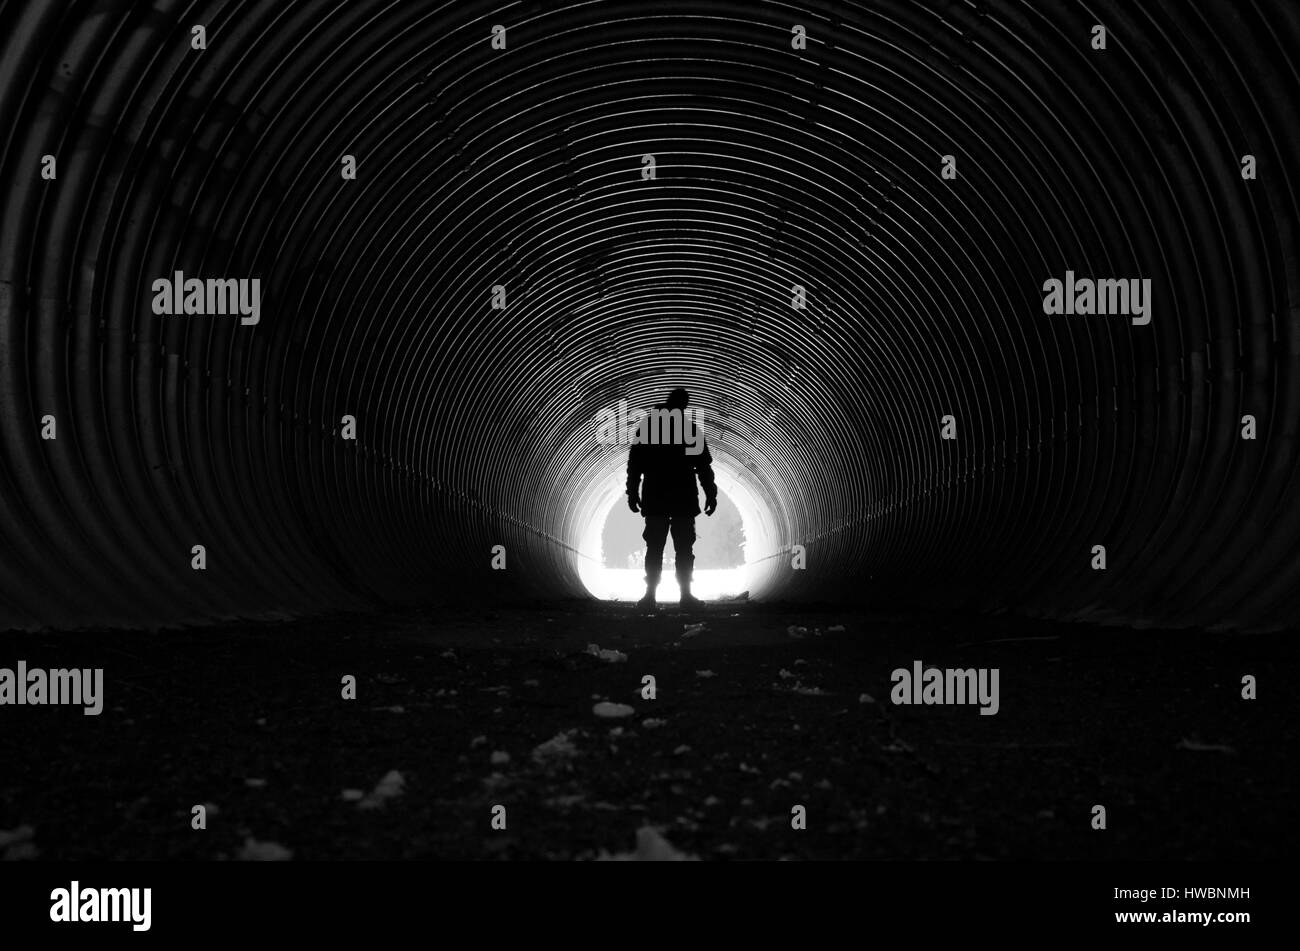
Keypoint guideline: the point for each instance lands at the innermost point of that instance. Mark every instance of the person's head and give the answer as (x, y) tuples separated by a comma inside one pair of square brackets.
[(678, 399)]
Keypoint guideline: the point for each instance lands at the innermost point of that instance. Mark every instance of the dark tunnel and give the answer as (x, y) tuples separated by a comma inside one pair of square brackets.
[(841, 238)]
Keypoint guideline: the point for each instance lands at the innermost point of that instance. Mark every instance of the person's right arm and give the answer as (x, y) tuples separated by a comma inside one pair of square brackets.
[(635, 467)]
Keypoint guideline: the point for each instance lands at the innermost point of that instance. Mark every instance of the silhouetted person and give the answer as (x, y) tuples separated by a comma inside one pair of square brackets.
[(670, 452)]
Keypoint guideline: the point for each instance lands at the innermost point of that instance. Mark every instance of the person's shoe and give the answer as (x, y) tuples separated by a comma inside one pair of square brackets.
[(688, 600), (647, 601)]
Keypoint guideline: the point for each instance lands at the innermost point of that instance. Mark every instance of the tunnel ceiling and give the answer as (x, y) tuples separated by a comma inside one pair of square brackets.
[(524, 169)]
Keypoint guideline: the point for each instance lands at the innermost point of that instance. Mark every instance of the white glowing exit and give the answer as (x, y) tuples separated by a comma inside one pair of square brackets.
[(624, 578)]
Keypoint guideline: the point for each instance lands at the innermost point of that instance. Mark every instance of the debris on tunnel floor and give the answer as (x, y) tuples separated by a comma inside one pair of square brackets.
[(739, 729)]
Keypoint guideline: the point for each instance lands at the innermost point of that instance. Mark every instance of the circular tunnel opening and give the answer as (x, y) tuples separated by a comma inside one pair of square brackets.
[(463, 249), (732, 546), (720, 570)]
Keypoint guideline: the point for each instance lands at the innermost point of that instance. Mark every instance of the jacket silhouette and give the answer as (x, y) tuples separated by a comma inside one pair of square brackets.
[(662, 468)]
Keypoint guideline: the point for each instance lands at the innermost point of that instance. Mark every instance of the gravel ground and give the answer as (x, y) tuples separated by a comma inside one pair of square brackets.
[(762, 709)]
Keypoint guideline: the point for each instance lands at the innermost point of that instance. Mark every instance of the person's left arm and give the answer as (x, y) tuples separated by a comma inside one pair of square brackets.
[(704, 469)]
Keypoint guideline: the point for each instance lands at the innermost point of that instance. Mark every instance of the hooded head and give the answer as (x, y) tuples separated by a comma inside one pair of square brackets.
[(678, 399)]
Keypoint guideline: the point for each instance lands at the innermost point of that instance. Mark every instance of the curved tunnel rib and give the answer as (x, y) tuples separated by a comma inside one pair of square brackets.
[(775, 168)]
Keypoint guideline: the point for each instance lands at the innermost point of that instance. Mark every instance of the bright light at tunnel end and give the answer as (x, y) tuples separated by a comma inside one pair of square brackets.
[(628, 584), (707, 584)]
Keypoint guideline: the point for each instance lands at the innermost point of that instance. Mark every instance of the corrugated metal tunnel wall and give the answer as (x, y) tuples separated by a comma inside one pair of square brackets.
[(523, 168)]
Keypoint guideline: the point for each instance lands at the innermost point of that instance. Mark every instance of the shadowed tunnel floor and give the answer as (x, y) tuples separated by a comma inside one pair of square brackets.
[(249, 719)]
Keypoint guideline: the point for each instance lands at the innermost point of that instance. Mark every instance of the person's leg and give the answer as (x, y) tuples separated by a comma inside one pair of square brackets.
[(655, 535), (683, 529)]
